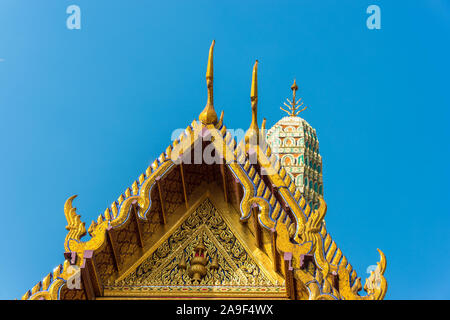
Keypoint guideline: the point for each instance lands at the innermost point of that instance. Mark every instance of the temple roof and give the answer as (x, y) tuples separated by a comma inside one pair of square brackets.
[(286, 237)]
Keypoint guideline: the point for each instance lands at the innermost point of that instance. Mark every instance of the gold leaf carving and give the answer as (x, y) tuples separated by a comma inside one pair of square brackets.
[(162, 267)]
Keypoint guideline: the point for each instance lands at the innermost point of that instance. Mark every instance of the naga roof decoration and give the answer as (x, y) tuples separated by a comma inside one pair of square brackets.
[(295, 256)]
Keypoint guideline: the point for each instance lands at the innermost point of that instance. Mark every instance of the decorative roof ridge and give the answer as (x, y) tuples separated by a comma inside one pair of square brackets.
[(116, 215), (49, 286), (310, 231)]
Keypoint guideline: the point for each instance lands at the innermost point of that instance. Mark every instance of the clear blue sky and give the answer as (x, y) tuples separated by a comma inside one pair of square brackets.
[(86, 111)]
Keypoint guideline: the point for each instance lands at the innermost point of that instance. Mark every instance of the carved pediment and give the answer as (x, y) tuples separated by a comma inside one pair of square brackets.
[(204, 244)]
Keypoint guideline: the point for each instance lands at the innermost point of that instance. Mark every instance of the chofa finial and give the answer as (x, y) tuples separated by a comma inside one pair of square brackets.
[(253, 131), (208, 115), (293, 105), (254, 89)]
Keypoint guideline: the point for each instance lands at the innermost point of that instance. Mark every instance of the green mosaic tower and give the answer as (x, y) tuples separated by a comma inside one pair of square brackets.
[(295, 143)]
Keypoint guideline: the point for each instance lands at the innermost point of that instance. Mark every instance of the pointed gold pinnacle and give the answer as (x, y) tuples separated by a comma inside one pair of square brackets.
[(253, 131), (254, 89), (208, 115), (293, 105)]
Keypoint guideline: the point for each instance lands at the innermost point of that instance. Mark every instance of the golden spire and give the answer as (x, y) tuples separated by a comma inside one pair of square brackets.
[(293, 105), (254, 129), (254, 90), (208, 115)]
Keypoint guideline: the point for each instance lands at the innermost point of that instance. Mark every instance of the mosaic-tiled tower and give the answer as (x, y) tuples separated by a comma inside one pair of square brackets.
[(295, 144)]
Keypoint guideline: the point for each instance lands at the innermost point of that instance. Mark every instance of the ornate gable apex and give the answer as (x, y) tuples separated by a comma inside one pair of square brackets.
[(283, 225)]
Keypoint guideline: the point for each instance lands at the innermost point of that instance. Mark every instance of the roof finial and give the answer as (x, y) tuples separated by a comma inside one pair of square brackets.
[(293, 105), (208, 115), (254, 129)]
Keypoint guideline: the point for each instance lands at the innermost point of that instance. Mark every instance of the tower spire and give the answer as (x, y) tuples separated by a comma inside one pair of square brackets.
[(208, 115), (293, 105), (254, 129)]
